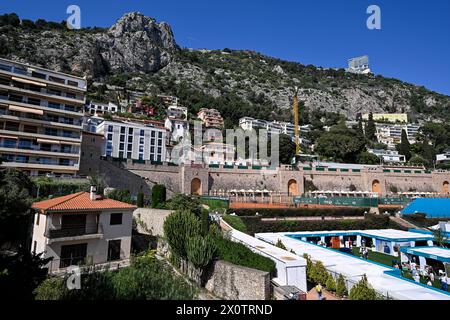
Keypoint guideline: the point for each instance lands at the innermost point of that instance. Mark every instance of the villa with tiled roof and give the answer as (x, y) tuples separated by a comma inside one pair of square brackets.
[(82, 229)]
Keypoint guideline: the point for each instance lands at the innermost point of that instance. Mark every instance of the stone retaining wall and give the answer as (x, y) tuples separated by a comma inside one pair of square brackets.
[(232, 282)]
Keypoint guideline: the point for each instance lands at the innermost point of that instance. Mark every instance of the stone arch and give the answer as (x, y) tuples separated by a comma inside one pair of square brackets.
[(293, 187), (196, 187), (445, 187), (376, 186)]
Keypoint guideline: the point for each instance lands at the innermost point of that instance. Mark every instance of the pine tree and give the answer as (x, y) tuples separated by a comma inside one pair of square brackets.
[(331, 283), (404, 147), (363, 291), (341, 289)]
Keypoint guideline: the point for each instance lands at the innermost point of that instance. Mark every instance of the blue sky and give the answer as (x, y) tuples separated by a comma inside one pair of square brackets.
[(413, 44)]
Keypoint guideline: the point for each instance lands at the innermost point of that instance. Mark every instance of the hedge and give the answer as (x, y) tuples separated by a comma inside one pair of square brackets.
[(46, 187), (158, 195), (255, 225), (239, 254), (235, 222), (271, 213)]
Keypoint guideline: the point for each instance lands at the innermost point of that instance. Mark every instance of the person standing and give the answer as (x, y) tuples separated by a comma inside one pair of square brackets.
[(319, 291), (444, 282)]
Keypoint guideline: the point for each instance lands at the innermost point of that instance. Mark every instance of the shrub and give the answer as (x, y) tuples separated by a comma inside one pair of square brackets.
[(178, 228), (46, 187), (341, 289), (235, 222), (150, 279), (140, 199), (280, 244), (158, 195), (200, 250), (255, 225), (330, 283), (122, 195), (147, 278), (272, 213), (239, 254), (319, 273), (51, 289), (185, 202), (363, 291)]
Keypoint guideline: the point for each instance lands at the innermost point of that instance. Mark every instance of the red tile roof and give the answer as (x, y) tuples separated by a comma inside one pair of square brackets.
[(80, 201)]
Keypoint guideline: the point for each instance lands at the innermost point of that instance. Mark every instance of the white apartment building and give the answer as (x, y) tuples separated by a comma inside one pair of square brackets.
[(178, 128), (40, 119), (272, 127), (129, 140), (359, 65), (388, 156), (99, 109), (82, 229), (443, 157), (391, 134)]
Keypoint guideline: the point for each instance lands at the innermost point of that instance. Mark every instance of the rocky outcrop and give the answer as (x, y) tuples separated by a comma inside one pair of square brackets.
[(135, 43)]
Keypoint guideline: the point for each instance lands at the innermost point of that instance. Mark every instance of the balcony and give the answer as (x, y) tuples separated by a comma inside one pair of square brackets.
[(20, 147), (42, 104), (93, 230)]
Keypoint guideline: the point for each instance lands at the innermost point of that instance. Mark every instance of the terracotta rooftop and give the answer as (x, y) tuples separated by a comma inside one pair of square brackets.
[(80, 201)]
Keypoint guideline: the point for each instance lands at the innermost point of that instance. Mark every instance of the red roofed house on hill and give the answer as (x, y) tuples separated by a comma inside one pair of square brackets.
[(82, 229)]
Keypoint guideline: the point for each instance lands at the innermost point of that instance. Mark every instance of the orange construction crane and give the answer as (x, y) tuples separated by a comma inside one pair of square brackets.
[(296, 133)]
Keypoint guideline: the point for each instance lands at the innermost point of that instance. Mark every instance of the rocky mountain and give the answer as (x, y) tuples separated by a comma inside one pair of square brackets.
[(135, 43), (141, 54)]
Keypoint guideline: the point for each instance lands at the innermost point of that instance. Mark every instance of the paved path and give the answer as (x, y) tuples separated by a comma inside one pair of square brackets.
[(312, 295)]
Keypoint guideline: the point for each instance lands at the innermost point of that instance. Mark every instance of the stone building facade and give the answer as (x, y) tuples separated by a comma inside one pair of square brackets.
[(207, 180)]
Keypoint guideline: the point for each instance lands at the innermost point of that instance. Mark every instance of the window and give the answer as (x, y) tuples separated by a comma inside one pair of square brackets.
[(115, 219), (110, 128), (129, 155), (110, 136), (152, 141), (160, 135), (121, 146), (141, 148), (130, 147), (159, 149), (72, 83), (121, 154), (141, 140), (130, 130), (141, 156), (141, 133), (122, 129), (159, 158), (114, 250), (122, 138), (130, 139), (152, 149), (159, 142), (153, 134)]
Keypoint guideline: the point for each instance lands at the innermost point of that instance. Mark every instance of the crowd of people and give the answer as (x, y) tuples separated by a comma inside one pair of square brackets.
[(427, 273)]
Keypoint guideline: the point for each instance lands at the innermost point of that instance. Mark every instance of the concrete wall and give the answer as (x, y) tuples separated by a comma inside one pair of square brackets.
[(232, 282), (150, 221)]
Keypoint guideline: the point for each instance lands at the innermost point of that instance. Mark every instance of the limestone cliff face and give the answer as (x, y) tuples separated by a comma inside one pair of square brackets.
[(135, 43)]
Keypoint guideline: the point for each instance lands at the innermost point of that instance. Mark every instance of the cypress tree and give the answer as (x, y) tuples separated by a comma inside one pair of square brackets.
[(428, 152), (371, 128), (404, 147)]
